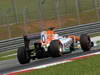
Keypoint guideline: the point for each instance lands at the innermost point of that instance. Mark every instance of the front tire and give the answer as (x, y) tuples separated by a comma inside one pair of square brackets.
[(55, 49), (23, 56), (85, 42)]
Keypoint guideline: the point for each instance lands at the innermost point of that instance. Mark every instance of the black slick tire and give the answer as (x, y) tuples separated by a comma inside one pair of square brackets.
[(54, 49), (23, 56), (85, 42)]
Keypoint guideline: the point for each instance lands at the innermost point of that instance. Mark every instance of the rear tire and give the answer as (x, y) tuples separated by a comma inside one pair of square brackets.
[(23, 56), (54, 49), (85, 42)]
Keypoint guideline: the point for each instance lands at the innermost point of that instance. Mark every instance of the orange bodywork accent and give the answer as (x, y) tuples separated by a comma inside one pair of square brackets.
[(77, 38), (50, 35), (50, 32)]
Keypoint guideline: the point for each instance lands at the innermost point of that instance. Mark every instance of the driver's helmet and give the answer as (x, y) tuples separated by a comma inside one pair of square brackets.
[(50, 33), (51, 28)]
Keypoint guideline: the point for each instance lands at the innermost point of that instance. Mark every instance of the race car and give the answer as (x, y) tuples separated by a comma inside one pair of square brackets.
[(51, 44)]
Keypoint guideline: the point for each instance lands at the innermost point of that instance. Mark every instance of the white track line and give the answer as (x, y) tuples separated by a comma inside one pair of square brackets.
[(8, 55)]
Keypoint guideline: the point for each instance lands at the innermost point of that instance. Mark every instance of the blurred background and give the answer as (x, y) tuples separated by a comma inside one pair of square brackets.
[(20, 17)]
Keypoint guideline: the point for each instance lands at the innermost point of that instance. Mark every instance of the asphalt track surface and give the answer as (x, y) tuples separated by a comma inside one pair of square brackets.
[(13, 65)]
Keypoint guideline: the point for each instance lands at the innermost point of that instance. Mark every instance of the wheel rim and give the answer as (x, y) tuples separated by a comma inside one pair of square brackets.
[(60, 50)]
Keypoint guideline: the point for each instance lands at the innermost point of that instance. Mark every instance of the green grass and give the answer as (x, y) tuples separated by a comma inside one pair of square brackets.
[(48, 8), (7, 53), (2, 54), (87, 66), (94, 35), (7, 58), (98, 42)]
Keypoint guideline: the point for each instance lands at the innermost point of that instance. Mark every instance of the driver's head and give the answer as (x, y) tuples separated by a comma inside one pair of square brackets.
[(51, 28)]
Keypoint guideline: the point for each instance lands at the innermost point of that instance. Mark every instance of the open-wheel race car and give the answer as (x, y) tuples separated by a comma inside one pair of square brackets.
[(51, 44)]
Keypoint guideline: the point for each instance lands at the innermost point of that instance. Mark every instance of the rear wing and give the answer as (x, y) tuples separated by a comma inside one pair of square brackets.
[(28, 38)]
